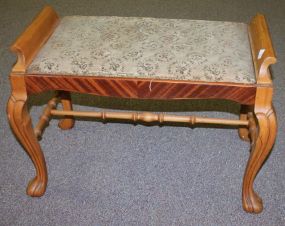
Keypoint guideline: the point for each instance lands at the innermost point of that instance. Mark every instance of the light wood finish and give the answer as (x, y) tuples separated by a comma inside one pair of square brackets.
[(68, 121), (263, 111), (65, 123), (45, 117), (244, 113), (260, 40), (151, 117), (259, 121), (33, 38), (267, 124), (21, 125), (252, 128)]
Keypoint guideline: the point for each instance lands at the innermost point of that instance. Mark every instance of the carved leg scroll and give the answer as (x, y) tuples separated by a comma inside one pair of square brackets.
[(244, 131), (20, 122), (261, 147), (68, 121)]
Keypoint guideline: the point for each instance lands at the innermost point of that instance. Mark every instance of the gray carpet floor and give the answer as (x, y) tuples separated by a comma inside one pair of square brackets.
[(121, 174)]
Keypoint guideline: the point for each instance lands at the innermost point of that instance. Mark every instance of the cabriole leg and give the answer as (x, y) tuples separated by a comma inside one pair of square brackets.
[(21, 125), (260, 149)]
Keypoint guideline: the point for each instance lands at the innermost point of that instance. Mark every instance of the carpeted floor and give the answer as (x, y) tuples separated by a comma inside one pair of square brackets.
[(121, 174)]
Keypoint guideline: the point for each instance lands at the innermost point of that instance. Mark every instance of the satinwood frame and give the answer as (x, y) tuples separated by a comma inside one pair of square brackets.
[(255, 99)]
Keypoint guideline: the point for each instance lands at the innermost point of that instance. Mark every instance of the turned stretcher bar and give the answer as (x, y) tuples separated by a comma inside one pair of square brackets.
[(151, 117), (50, 110)]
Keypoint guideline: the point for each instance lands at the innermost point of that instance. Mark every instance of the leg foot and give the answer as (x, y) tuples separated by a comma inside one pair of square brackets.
[(68, 121), (36, 187), (260, 150)]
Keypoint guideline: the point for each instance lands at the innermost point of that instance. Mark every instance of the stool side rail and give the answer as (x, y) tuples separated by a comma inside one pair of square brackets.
[(263, 53), (33, 38)]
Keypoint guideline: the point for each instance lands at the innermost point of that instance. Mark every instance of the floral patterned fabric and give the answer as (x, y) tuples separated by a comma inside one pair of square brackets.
[(174, 49)]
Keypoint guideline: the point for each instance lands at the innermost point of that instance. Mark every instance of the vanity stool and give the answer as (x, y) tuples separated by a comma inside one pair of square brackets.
[(145, 58)]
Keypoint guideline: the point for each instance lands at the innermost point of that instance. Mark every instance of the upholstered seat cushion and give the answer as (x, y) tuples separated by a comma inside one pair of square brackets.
[(174, 49)]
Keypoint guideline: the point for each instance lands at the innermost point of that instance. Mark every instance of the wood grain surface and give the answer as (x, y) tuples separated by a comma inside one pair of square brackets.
[(141, 88)]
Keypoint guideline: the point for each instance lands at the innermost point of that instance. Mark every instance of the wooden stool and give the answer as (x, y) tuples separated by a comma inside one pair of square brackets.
[(145, 58)]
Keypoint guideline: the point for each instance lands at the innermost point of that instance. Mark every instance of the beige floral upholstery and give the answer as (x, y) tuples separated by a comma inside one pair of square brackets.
[(174, 49)]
